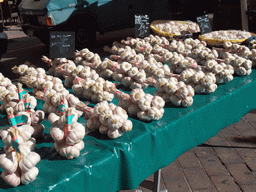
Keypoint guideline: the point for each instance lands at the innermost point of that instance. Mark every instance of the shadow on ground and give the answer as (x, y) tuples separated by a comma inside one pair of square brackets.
[(30, 49)]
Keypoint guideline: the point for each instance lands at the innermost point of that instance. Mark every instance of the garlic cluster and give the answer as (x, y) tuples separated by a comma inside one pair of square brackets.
[(145, 106), (59, 67), (130, 76), (240, 50), (227, 35), (202, 82), (241, 65), (109, 119), (18, 161), (67, 133), (48, 88), (174, 91), (176, 27), (222, 71), (82, 72), (13, 96), (87, 58), (95, 90)]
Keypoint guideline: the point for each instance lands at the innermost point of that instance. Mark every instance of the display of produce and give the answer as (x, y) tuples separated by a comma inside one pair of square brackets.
[(108, 119), (67, 133), (216, 38), (13, 96), (84, 80), (170, 28), (19, 161), (139, 104), (176, 69), (46, 87)]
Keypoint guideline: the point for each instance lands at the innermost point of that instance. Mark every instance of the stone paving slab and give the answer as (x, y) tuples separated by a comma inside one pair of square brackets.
[(224, 163)]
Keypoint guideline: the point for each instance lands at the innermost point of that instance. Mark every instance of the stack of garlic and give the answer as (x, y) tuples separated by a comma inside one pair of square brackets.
[(148, 64), (241, 65), (46, 87), (18, 161), (177, 27), (227, 35), (174, 91), (109, 119), (87, 58), (80, 71), (67, 133), (59, 67), (240, 50), (53, 99), (202, 82), (130, 76), (95, 90), (223, 72), (145, 106), (174, 54), (12, 96), (179, 63)]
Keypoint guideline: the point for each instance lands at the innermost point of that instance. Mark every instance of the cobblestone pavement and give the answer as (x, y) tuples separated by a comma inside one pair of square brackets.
[(224, 163)]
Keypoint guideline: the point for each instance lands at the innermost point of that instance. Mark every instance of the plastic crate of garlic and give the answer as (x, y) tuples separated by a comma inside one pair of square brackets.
[(171, 28)]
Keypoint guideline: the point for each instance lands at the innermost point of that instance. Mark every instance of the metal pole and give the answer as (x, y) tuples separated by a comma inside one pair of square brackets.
[(157, 178), (244, 16)]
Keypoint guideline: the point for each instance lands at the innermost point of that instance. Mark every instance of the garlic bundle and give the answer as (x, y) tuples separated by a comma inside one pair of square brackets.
[(67, 133), (87, 58), (13, 96), (18, 161), (51, 90), (241, 65), (145, 106), (130, 76), (240, 50), (223, 72), (173, 91), (59, 67), (95, 90), (109, 119), (54, 99)]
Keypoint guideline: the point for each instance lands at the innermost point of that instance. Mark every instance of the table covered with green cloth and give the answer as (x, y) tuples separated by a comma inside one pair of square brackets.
[(123, 163)]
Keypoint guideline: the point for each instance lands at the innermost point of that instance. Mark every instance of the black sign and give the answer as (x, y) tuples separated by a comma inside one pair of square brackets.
[(204, 24), (142, 26), (62, 44)]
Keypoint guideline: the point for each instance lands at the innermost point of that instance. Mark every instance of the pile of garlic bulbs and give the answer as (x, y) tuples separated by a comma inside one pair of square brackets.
[(139, 104), (174, 91), (46, 87), (176, 27), (59, 67), (94, 90), (67, 133), (109, 119), (227, 35), (13, 96), (18, 161)]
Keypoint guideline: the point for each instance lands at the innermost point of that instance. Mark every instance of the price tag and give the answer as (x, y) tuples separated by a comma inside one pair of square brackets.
[(204, 24), (62, 44), (142, 26)]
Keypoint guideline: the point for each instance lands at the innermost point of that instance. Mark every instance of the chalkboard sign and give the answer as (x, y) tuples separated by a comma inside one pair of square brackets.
[(62, 44), (142, 26), (204, 24)]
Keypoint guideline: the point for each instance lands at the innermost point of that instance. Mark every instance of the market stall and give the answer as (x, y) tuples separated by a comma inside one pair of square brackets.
[(206, 99)]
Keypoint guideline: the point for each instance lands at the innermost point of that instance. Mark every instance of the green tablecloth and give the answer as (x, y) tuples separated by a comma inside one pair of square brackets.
[(113, 165)]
